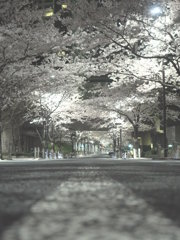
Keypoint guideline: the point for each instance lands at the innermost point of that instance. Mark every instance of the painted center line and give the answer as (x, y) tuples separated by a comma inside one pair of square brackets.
[(88, 207)]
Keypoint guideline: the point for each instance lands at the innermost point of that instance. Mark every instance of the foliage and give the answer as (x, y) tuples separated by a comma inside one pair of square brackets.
[(42, 57)]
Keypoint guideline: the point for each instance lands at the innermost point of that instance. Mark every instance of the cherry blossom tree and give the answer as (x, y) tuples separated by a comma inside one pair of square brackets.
[(30, 46), (135, 28), (124, 40), (135, 33)]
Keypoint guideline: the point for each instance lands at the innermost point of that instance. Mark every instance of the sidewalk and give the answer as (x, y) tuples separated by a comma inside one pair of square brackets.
[(148, 159), (166, 158), (19, 159)]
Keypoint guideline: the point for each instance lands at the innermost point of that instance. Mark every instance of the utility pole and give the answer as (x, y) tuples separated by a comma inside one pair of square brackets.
[(120, 143), (164, 115), (56, 6)]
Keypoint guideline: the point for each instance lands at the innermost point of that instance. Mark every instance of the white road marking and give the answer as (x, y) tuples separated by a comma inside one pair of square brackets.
[(90, 207)]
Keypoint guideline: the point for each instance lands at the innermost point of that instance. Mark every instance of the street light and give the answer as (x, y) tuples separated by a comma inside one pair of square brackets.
[(157, 11), (164, 113)]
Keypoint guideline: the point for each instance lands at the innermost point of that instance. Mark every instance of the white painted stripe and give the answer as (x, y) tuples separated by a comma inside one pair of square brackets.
[(89, 207)]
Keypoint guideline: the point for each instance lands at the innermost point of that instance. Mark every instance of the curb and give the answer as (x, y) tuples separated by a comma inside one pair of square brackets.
[(166, 158)]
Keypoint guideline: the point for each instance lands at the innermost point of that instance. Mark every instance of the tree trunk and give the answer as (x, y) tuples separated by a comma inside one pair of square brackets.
[(0, 145), (6, 137), (136, 143)]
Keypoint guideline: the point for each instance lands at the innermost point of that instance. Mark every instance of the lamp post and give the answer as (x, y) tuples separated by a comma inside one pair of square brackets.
[(164, 114), (157, 11)]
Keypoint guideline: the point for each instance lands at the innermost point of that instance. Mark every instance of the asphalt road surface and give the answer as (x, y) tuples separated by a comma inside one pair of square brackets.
[(90, 199)]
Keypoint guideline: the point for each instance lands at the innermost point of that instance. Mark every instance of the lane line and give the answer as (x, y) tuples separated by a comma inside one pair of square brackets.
[(89, 206)]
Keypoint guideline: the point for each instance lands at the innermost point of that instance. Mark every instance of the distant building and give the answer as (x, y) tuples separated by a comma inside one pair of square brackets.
[(45, 3), (151, 142), (55, 5)]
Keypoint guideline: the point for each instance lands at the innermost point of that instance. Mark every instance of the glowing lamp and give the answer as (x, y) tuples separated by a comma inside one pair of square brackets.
[(155, 11), (49, 13), (64, 6)]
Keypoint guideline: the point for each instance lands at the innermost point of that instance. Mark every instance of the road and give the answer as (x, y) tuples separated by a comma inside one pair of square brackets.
[(89, 199)]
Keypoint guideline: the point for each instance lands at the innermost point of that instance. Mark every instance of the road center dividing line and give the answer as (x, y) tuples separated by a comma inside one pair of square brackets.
[(90, 206)]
